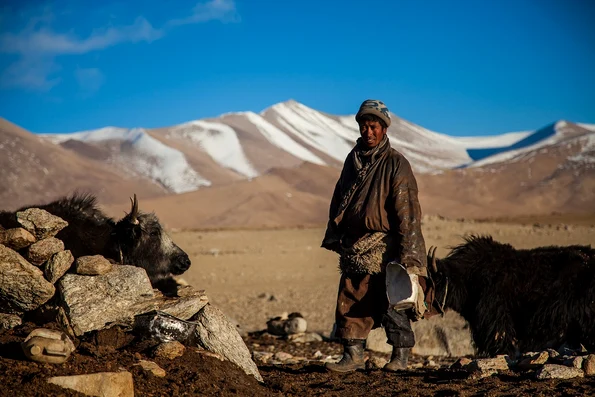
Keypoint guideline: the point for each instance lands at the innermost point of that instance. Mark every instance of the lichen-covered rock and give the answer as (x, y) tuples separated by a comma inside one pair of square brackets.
[(92, 265), (40, 223), (16, 238), (58, 265), (39, 252), (22, 285)]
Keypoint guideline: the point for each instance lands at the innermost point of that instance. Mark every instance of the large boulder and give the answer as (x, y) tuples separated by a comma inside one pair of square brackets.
[(22, 285), (217, 334), (95, 302)]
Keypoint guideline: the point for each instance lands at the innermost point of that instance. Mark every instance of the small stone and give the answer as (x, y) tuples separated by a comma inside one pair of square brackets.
[(43, 250), (47, 346), (461, 363), (152, 367), (98, 384), (282, 356), (556, 371), (211, 354), (376, 362), (553, 354), (58, 265), (484, 367), (262, 357), (430, 364), (8, 321), (589, 365), (533, 360), (40, 223), (576, 362), (169, 350), (16, 238), (92, 265)]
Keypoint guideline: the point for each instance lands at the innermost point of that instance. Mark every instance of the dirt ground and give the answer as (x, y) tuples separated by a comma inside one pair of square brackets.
[(253, 275)]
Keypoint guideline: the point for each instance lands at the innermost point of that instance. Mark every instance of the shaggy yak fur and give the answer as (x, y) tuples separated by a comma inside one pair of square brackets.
[(137, 239), (519, 300)]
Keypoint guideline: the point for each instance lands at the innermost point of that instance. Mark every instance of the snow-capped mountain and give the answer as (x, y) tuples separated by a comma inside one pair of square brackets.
[(245, 145)]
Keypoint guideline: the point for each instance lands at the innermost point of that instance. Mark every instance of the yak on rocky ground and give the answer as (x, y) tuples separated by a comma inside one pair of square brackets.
[(518, 300), (137, 239)]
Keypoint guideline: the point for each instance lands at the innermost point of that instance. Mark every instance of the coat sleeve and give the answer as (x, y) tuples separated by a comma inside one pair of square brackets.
[(412, 252), (331, 240)]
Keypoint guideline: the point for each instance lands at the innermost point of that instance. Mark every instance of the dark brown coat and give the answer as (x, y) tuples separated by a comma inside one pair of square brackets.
[(385, 199)]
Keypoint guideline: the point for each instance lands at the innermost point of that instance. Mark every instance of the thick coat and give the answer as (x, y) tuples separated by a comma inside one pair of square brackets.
[(375, 193)]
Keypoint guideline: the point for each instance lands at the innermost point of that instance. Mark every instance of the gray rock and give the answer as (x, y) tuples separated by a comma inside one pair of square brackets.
[(94, 302), (40, 223), (104, 384), (92, 265), (169, 350), (22, 285), (282, 356), (217, 334), (43, 250), (152, 367), (448, 336), (8, 321), (589, 365), (16, 238), (556, 371), (287, 325), (58, 265)]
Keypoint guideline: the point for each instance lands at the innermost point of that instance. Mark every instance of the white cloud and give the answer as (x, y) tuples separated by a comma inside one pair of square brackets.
[(89, 80), (223, 10), (38, 45)]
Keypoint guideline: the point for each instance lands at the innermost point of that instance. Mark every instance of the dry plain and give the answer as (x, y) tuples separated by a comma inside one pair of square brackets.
[(253, 275)]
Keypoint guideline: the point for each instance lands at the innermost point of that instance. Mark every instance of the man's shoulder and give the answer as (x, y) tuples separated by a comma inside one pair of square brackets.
[(397, 159)]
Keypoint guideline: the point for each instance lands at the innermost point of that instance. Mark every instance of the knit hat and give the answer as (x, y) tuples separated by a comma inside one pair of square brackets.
[(375, 107)]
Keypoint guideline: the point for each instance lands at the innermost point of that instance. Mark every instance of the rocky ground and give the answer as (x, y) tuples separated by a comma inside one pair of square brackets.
[(252, 276), (288, 369)]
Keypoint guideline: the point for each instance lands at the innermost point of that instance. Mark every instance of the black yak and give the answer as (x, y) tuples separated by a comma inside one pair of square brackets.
[(518, 300), (137, 239)]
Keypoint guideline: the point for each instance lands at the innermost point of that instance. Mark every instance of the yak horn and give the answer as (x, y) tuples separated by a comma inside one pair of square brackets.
[(432, 257), (134, 210)]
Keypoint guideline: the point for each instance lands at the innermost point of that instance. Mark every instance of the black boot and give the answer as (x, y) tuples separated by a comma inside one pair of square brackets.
[(353, 357), (398, 360)]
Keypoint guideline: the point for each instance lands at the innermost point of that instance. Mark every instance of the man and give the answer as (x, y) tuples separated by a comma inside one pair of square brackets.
[(375, 219)]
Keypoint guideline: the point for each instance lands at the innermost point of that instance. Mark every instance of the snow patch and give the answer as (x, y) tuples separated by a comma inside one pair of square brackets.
[(281, 140), (219, 141)]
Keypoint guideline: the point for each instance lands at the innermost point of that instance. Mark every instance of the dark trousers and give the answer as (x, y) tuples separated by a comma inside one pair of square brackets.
[(362, 305)]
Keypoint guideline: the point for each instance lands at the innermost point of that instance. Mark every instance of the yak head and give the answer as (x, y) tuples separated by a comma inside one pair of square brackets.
[(143, 242)]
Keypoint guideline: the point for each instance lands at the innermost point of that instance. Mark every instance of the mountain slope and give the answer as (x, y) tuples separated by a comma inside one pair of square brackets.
[(35, 170)]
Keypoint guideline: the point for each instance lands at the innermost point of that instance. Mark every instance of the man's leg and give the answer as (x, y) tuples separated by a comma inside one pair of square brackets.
[(400, 335), (360, 299)]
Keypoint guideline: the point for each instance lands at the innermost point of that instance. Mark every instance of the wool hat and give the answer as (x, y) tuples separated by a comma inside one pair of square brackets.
[(375, 107)]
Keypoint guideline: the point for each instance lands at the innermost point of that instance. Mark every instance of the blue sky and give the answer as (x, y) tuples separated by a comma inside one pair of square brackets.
[(457, 67)]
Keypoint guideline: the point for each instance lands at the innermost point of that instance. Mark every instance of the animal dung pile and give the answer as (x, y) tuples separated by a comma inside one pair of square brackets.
[(42, 283)]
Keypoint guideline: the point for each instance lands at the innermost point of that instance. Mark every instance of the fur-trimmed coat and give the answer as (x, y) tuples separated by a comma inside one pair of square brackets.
[(375, 215)]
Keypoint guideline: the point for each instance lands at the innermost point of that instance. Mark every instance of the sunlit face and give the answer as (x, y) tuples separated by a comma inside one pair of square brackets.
[(372, 133)]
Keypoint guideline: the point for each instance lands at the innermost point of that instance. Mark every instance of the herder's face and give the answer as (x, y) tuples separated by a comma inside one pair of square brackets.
[(372, 133)]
